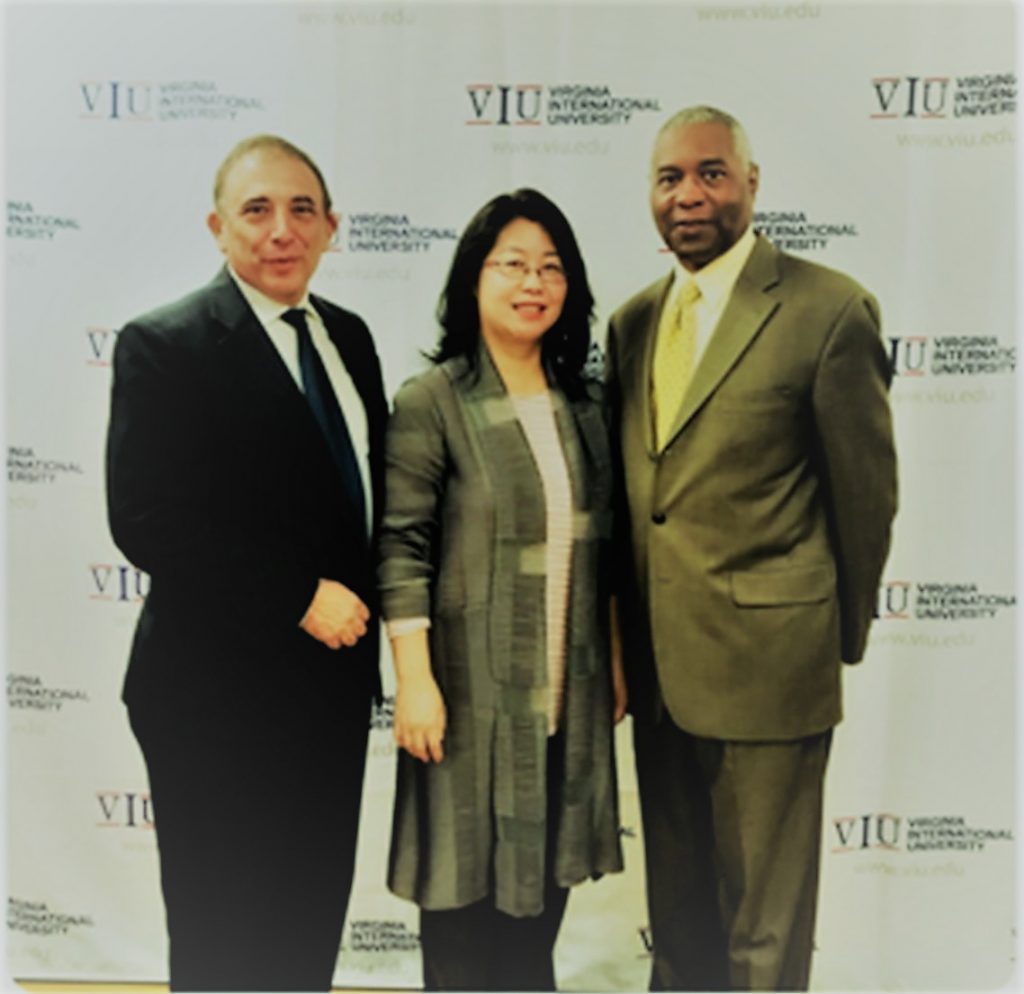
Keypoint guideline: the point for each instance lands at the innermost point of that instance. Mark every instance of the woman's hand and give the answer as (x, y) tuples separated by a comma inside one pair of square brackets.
[(420, 718), (420, 714)]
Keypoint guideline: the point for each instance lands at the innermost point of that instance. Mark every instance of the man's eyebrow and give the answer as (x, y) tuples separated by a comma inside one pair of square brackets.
[(256, 200), (716, 161), (303, 198)]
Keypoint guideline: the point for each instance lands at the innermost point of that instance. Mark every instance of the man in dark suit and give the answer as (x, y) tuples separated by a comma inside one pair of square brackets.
[(244, 467), (749, 391)]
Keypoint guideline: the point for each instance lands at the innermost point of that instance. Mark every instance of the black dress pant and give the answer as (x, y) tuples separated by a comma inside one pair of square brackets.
[(732, 837), (256, 828), (479, 948)]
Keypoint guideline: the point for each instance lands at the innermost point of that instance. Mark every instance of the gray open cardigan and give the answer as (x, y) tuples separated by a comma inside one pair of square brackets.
[(463, 543)]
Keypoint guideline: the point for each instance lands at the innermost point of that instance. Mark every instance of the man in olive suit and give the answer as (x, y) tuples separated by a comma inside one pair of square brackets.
[(749, 392)]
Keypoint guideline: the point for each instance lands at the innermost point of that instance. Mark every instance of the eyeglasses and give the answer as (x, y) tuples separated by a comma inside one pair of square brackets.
[(516, 271)]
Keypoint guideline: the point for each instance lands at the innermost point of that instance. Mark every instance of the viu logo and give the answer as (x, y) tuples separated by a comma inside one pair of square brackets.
[(124, 809), (118, 100), (118, 582), (502, 103), (100, 345), (911, 96), (647, 938), (893, 601), (875, 831), (908, 355)]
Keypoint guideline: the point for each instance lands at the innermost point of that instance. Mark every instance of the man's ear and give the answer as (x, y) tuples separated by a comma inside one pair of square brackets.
[(754, 177), (216, 226)]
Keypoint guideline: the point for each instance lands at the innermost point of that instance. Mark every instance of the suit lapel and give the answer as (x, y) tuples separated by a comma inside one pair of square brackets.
[(259, 380), (253, 363), (748, 310)]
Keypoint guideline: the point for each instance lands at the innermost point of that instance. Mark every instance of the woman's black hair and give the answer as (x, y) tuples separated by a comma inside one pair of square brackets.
[(566, 345)]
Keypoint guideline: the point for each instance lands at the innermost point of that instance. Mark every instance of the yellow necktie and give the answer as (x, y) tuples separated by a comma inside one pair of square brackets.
[(674, 355)]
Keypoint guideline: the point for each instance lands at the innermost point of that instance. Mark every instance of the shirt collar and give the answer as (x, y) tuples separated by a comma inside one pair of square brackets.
[(265, 308), (716, 280)]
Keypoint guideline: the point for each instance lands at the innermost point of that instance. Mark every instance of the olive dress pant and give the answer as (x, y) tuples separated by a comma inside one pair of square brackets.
[(732, 833)]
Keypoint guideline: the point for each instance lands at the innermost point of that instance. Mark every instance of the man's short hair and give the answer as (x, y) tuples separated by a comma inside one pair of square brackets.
[(703, 114), (255, 143)]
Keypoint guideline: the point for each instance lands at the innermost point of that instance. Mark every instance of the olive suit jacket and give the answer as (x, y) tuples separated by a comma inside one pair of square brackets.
[(754, 542)]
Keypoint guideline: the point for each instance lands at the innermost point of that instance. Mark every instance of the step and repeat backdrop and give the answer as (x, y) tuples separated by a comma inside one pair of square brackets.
[(887, 140)]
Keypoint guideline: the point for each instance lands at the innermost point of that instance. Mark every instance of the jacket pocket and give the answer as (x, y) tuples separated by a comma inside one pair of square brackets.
[(779, 399), (806, 585)]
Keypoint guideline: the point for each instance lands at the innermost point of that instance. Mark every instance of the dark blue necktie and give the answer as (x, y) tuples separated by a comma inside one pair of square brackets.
[(324, 405)]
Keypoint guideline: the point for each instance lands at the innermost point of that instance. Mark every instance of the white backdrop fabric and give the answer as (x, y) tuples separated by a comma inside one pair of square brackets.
[(886, 137)]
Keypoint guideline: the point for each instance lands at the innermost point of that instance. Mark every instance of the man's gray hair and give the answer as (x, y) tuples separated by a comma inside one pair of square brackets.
[(274, 143), (703, 114)]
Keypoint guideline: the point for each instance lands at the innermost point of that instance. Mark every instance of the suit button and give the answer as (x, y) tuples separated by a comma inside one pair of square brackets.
[(658, 518)]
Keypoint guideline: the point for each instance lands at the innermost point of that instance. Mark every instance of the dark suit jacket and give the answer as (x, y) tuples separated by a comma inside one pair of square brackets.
[(222, 488), (756, 539)]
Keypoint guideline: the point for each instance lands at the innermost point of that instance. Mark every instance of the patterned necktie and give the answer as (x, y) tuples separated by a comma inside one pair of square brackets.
[(674, 355), (324, 404)]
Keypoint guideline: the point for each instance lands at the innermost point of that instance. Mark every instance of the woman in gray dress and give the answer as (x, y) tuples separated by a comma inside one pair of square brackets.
[(496, 595)]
